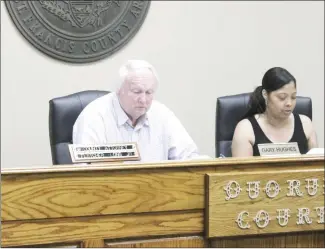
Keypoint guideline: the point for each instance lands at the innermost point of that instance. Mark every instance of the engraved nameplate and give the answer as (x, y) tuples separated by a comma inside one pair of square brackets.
[(101, 153), (279, 149)]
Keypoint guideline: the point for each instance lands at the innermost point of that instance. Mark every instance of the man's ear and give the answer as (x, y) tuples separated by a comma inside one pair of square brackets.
[(120, 90)]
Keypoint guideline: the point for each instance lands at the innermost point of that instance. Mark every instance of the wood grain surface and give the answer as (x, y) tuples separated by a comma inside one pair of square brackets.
[(179, 242), (253, 162), (96, 204), (102, 193), (313, 239), (70, 194), (103, 227), (93, 243)]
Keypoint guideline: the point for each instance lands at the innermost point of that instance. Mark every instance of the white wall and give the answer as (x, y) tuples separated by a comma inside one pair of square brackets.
[(201, 50)]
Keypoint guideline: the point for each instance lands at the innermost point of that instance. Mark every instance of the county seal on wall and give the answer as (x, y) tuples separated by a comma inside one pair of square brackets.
[(78, 31)]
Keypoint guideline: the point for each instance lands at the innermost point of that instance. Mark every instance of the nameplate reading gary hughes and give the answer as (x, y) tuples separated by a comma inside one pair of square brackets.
[(251, 203), (78, 31), (279, 149)]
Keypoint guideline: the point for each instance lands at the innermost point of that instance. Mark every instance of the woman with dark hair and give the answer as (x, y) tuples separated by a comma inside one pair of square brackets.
[(270, 118)]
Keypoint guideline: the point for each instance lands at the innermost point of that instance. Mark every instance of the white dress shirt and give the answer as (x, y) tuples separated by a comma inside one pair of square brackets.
[(159, 134)]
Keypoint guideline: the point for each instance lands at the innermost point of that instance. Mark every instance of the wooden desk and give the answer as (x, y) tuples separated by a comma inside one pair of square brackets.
[(130, 205)]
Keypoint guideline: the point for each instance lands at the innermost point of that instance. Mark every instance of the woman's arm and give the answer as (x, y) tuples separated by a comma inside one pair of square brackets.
[(243, 140), (309, 131)]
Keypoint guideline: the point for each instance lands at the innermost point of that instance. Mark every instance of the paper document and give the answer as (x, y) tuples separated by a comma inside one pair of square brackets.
[(316, 151)]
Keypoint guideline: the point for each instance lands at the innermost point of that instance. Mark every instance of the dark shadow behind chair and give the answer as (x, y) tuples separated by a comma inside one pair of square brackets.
[(63, 113), (230, 110)]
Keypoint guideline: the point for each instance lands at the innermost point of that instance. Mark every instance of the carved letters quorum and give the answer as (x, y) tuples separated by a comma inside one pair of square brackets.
[(272, 189), (254, 203)]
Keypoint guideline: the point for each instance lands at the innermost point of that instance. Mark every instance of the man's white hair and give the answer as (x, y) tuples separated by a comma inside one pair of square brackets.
[(133, 65)]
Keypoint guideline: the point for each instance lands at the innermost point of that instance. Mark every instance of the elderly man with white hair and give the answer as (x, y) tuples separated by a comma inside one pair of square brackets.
[(131, 115)]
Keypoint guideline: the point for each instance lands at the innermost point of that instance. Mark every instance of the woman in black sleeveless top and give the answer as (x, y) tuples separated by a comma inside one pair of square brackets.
[(298, 135), (270, 118)]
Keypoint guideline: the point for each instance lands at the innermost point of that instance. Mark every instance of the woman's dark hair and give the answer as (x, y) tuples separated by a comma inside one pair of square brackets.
[(273, 79)]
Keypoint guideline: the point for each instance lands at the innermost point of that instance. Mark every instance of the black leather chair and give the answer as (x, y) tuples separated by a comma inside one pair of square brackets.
[(230, 110), (63, 113)]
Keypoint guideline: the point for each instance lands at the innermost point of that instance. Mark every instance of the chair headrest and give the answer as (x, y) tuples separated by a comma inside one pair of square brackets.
[(64, 112)]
